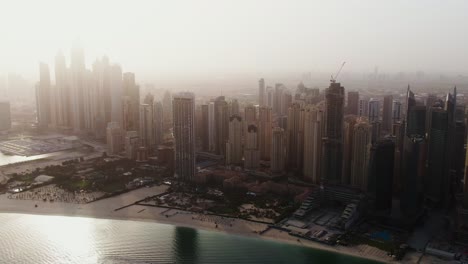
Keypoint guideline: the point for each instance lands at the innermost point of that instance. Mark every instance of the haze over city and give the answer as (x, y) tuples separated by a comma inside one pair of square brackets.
[(182, 39), (155, 131)]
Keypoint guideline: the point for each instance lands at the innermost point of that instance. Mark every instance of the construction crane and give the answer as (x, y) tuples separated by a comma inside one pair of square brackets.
[(333, 79)]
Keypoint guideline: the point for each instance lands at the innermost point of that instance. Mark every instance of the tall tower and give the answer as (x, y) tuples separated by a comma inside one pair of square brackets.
[(131, 91), (362, 135), (5, 116), (265, 132), (251, 152), (211, 127), (234, 145), (333, 141), (363, 108), (387, 114), (278, 150), (313, 134), (261, 92), (374, 110), (43, 96), (349, 122), (63, 91), (221, 124), (353, 103), (205, 137), (115, 138), (295, 137), (184, 135), (146, 126), (158, 123), (77, 81), (381, 174)]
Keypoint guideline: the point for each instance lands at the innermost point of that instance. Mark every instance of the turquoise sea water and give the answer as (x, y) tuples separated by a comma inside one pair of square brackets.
[(60, 239)]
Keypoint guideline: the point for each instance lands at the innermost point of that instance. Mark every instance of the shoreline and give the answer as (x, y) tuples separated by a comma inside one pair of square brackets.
[(104, 209)]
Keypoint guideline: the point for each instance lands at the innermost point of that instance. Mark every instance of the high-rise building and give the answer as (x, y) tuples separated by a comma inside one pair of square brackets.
[(251, 151), (265, 126), (270, 96), (184, 135), (437, 181), (116, 94), (114, 138), (261, 92), (43, 96), (387, 114), (295, 138), (62, 88), (131, 92), (362, 134), (348, 132), (353, 103), (374, 110), (211, 127), (278, 151), (234, 108), (363, 108), (234, 144), (413, 170), (221, 125), (333, 141), (132, 143), (77, 88), (146, 126), (5, 116), (167, 107), (158, 123), (397, 112), (381, 174), (205, 137), (313, 134)]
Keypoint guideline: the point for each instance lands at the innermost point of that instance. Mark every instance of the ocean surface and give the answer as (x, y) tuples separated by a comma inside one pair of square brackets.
[(60, 239)]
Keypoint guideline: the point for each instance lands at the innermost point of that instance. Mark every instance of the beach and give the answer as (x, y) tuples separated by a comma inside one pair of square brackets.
[(105, 208)]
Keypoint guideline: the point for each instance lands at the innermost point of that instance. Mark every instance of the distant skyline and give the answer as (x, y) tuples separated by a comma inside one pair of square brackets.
[(182, 39)]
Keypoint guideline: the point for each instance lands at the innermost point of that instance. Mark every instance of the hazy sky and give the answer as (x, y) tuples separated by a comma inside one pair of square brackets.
[(182, 38)]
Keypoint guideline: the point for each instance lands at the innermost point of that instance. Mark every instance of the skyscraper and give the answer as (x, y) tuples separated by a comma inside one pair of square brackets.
[(63, 91), (211, 127), (146, 126), (363, 108), (205, 137), (397, 111), (261, 92), (437, 181), (387, 114), (265, 132), (221, 125), (77, 87), (132, 143), (5, 116), (43, 96), (348, 132), (131, 91), (114, 138), (251, 151), (374, 110), (158, 123), (313, 128), (362, 134), (184, 135), (278, 151), (381, 174), (333, 141), (353, 103), (295, 138), (167, 107), (234, 144)]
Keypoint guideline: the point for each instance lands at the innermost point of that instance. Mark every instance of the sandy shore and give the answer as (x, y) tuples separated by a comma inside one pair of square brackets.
[(106, 209)]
